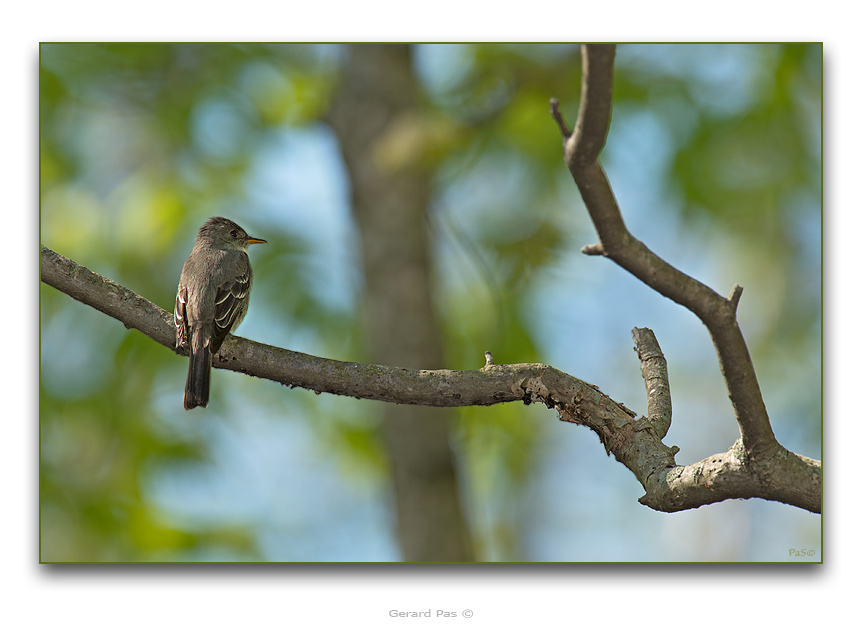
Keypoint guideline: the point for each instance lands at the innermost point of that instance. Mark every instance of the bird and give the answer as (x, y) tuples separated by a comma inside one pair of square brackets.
[(212, 299)]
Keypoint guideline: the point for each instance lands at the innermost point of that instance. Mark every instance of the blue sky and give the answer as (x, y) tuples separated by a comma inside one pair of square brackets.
[(298, 184)]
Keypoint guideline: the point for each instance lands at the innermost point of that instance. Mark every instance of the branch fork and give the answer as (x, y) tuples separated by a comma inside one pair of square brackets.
[(757, 459)]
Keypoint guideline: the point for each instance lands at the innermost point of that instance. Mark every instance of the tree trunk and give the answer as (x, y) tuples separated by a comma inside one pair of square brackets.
[(390, 194)]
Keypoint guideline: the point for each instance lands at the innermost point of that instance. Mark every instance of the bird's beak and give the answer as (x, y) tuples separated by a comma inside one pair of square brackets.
[(255, 240)]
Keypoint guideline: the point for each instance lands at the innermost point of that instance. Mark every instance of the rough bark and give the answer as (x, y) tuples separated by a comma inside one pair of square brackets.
[(636, 443), (757, 452)]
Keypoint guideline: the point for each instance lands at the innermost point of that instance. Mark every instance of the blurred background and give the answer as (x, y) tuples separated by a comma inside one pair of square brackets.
[(418, 212)]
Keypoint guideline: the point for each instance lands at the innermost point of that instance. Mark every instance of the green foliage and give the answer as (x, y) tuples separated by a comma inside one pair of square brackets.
[(139, 143)]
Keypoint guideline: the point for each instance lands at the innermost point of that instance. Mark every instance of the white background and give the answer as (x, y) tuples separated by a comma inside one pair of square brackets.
[(97, 594)]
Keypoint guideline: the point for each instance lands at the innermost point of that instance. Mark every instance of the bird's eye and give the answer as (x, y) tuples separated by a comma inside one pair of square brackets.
[(233, 233)]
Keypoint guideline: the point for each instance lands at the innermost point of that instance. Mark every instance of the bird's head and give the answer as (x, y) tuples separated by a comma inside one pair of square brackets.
[(224, 234)]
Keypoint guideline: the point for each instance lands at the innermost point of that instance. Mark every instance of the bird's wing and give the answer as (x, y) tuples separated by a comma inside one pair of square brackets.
[(230, 301)]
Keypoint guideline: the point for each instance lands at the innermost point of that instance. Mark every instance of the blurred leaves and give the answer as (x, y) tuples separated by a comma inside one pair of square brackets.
[(132, 135), (139, 143)]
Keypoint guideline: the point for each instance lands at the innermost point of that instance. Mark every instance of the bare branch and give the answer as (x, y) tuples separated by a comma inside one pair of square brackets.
[(757, 466), (597, 92), (788, 478), (107, 296), (654, 371), (617, 243), (489, 385), (635, 442)]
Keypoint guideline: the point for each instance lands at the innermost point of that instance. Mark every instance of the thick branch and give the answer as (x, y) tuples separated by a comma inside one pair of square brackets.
[(634, 442), (615, 242), (785, 477), (491, 384), (107, 296)]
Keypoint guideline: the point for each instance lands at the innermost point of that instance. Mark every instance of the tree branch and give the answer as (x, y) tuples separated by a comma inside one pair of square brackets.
[(758, 457), (107, 296), (635, 442), (617, 243), (492, 384), (654, 371)]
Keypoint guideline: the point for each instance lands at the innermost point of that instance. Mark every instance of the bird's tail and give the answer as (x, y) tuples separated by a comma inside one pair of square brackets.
[(198, 380)]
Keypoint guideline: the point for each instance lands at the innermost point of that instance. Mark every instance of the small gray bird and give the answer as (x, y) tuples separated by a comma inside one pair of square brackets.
[(212, 299)]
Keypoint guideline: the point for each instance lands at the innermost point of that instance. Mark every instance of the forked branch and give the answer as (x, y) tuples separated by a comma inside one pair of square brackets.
[(758, 454)]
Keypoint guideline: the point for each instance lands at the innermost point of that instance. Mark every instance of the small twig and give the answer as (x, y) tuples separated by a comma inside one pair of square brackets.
[(733, 298), (593, 249), (565, 129)]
